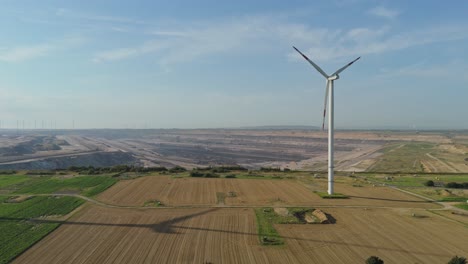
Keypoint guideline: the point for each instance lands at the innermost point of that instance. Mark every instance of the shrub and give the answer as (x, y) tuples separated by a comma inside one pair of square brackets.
[(177, 169), (196, 174), (203, 168), (231, 176), (269, 169), (429, 183), (456, 185), (4, 172), (451, 185), (374, 260), (119, 168), (220, 169), (40, 172), (457, 260), (211, 175)]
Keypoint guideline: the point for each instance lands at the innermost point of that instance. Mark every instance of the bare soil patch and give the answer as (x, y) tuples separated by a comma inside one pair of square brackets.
[(18, 199), (281, 211)]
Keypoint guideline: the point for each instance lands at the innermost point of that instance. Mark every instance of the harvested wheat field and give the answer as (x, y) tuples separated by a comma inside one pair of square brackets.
[(196, 191), (369, 195), (249, 192), (110, 235), (394, 235)]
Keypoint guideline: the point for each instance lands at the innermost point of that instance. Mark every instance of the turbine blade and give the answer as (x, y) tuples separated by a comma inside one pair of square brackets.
[(325, 105), (313, 64), (346, 66)]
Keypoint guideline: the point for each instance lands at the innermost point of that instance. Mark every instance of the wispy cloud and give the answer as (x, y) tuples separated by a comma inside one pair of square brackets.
[(22, 53), (186, 42), (67, 13), (384, 12), (27, 52), (124, 53), (363, 41)]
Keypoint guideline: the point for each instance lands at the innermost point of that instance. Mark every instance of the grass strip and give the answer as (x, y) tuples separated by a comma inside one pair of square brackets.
[(453, 199), (325, 195), (267, 233), (463, 206)]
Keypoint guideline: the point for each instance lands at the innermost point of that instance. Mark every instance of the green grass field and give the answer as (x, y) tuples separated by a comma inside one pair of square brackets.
[(415, 183), (401, 157), (267, 217), (9, 180), (410, 180), (325, 195), (18, 233), (85, 185), (463, 206), (414, 157), (17, 230)]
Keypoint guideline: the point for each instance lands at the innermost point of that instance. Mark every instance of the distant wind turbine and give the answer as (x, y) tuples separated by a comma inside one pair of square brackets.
[(329, 96)]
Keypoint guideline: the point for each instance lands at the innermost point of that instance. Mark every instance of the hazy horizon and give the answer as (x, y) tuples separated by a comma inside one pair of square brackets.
[(207, 64), (265, 127)]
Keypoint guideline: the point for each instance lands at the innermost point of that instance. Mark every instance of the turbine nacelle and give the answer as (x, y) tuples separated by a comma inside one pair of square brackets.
[(330, 79)]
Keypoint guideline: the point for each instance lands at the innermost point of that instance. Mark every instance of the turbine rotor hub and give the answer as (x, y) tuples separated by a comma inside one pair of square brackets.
[(334, 77)]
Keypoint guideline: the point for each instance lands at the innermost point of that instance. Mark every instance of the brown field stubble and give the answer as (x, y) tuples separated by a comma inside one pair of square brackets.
[(250, 192), (226, 235)]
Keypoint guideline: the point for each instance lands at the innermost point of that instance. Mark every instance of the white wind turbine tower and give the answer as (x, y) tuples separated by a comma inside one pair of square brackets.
[(329, 95)]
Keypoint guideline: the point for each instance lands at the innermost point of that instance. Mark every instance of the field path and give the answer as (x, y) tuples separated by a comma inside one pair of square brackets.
[(446, 206)]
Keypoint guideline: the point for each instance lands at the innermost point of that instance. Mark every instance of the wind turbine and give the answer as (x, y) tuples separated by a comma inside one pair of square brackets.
[(329, 96)]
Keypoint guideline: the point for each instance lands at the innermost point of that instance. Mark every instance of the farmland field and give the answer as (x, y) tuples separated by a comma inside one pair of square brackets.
[(30, 207), (174, 218), (220, 235), (421, 157), (85, 185), (248, 192), (17, 232), (8, 180), (416, 184)]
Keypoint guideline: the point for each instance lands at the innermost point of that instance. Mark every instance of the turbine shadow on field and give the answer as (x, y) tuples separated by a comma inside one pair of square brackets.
[(320, 241), (168, 226), (165, 227)]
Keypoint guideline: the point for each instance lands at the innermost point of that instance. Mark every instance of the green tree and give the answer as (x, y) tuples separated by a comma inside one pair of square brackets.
[(457, 260), (429, 183), (374, 260)]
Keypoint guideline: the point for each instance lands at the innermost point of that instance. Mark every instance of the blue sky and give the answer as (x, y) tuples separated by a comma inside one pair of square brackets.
[(194, 64)]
